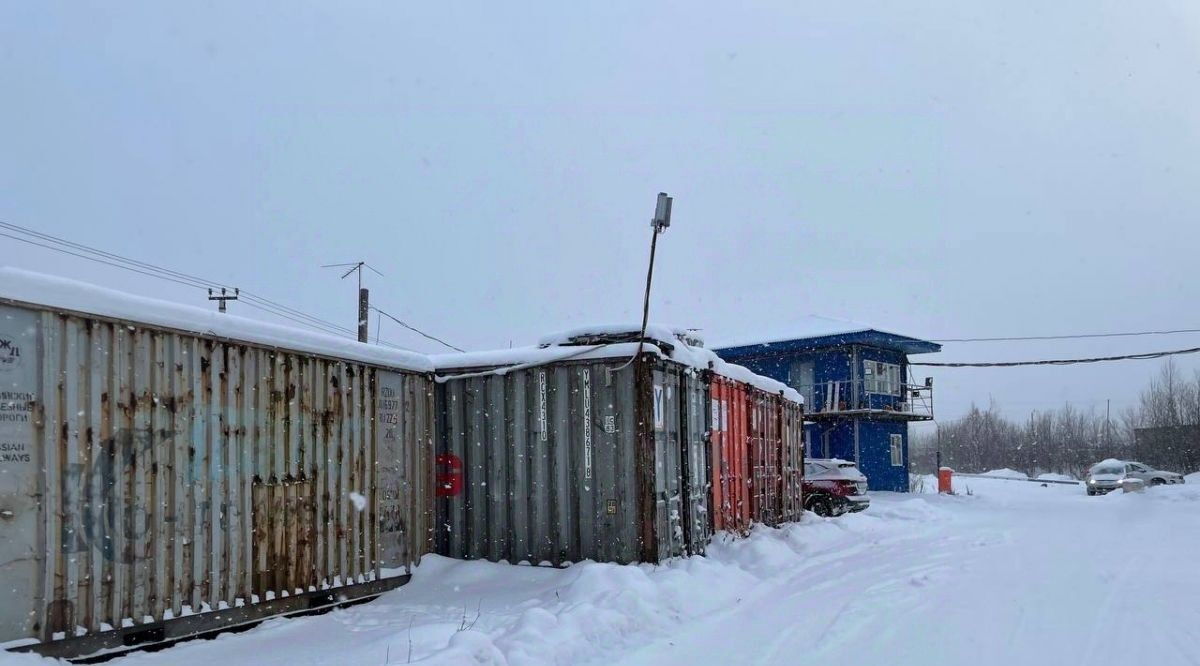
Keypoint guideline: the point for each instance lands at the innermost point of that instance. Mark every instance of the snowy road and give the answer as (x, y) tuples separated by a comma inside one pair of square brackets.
[(1015, 573)]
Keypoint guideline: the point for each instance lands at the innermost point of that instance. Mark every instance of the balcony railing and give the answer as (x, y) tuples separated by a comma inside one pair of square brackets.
[(844, 397)]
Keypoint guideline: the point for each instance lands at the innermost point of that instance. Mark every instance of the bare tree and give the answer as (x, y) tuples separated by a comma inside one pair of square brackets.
[(1163, 430)]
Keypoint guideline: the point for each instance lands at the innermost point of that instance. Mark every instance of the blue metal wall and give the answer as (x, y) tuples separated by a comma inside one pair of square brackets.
[(840, 439), (830, 365), (874, 446), (873, 455)]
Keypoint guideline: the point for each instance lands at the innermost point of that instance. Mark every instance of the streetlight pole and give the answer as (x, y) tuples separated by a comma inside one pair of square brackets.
[(644, 406)]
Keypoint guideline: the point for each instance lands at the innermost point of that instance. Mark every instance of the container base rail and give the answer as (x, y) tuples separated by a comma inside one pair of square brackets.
[(102, 646)]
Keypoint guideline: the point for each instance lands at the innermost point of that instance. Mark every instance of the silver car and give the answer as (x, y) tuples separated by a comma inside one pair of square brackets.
[(1107, 476), (1151, 476)]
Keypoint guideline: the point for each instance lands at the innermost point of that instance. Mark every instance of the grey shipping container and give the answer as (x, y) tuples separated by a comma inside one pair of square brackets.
[(157, 483), (570, 460)]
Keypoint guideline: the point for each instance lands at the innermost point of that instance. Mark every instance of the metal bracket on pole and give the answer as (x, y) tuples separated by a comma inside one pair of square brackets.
[(222, 297)]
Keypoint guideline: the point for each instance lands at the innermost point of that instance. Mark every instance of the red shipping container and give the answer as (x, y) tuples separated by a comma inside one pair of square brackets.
[(766, 444), (776, 457), (730, 482)]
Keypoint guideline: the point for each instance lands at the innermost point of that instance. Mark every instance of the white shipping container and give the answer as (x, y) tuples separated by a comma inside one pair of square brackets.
[(159, 480)]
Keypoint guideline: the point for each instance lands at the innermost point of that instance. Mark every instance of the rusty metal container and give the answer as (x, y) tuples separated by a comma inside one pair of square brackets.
[(776, 453), (729, 454), (757, 455), (563, 460), (158, 480)]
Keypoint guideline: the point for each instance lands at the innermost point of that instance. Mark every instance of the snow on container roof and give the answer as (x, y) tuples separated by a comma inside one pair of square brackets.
[(614, 341), (62, 293), (511, 359), (690, 336)]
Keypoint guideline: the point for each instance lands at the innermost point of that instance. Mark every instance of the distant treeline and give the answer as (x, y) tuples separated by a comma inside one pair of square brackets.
[(1163, 431)]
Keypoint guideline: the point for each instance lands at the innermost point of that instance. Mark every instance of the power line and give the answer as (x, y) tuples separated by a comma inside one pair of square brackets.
[(178, 277), (101, 261), (1063, 361), (418, 331), (61, 245), (1079, 336), (316, 322), (108, 255), (283, 315)]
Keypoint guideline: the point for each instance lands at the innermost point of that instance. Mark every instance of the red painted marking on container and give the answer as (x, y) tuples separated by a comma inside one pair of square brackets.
[(449, 477)]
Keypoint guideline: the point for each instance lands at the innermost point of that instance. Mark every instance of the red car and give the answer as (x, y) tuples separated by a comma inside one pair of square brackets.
[(833, 487)]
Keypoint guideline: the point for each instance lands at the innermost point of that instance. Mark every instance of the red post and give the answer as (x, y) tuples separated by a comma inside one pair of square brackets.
[(945, 480)]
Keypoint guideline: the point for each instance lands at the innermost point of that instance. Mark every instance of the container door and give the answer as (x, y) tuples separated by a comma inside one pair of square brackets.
[(668, 470), (730, 456), (757, 439), (697, 487), (393, 418), (793, 462), (20, 464), (719, 455)]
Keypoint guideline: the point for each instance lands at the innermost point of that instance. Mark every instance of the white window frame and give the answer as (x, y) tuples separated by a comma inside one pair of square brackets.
[(881, 378), (897, 449)]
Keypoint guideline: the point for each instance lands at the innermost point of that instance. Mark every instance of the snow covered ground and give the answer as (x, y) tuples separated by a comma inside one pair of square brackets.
[(1012, 573)]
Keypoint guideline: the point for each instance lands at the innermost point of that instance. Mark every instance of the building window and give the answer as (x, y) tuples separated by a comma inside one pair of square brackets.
[(897, 450), (801, 378), (880, 377)]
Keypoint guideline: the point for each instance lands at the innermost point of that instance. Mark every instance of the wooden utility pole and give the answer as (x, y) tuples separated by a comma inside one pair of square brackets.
[(364, 298), (1107, 435)]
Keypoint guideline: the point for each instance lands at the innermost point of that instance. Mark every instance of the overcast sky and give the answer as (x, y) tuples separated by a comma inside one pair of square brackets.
[(931, 168)]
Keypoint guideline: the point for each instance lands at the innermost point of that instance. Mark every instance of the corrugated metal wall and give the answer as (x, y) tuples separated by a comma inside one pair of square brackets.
[(765, 451), (148, 474), (791, 485), (697, 479), (776, 458), (728, 455), (757, 456), (549, 458)]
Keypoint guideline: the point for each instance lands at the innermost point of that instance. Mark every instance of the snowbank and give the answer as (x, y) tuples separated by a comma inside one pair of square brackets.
[(1006, 474), (593, 612), (62, 293), (1051, 476), (1194, 477), (1168, 493)]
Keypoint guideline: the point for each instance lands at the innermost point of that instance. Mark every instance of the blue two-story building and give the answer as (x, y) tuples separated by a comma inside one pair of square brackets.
[(858, 391)]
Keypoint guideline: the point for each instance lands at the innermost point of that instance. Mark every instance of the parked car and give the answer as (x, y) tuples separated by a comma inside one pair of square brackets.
[(833, 487), (1152, 477), (1106, 476)]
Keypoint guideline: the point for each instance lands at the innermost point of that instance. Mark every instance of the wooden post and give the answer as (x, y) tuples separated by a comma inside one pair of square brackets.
[(364, 307)]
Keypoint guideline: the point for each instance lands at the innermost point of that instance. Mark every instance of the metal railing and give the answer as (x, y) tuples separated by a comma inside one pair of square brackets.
[(859, 396)]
